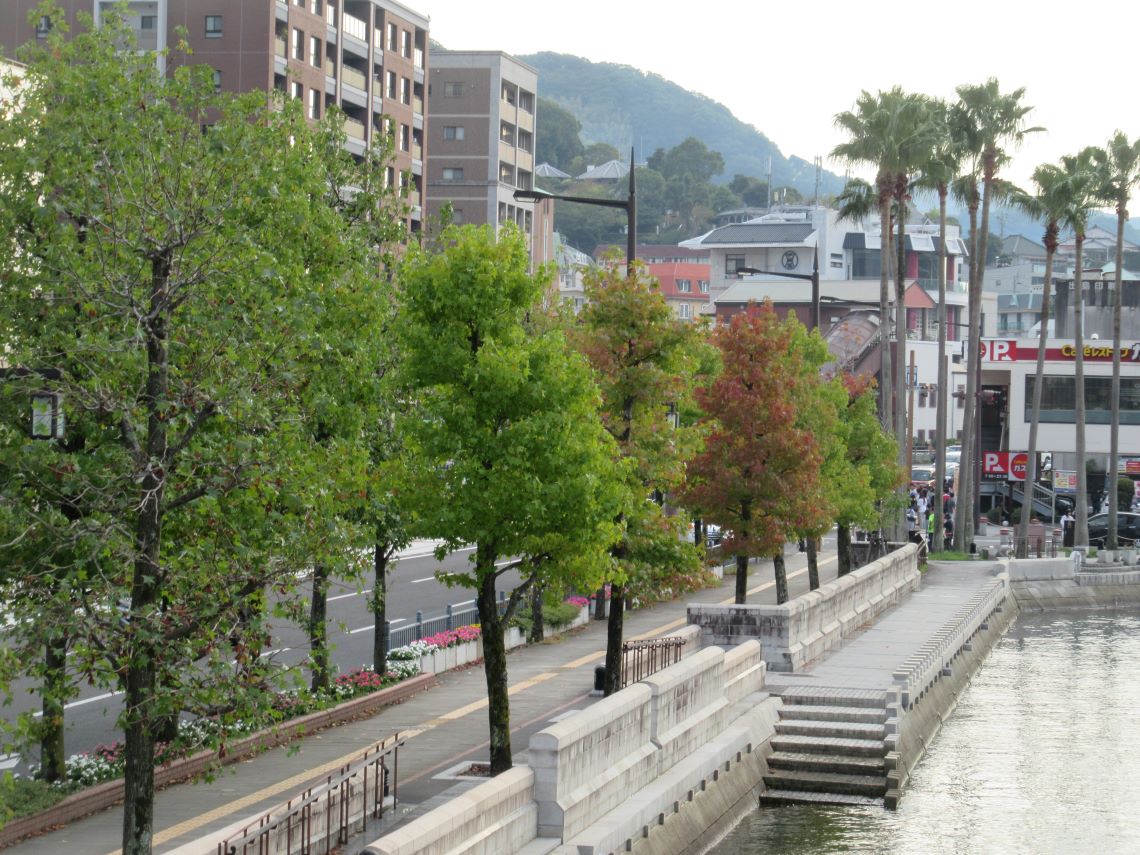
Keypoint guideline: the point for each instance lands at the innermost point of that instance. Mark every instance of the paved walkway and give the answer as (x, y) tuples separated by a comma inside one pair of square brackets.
[(868, 660), (446, 726)]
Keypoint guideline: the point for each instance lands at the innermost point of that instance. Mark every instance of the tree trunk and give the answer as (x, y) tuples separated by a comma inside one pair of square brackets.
[(843, 547), (614, 630), (1035, 413), (964, 510), (494, 660), (885, 404), (741, 595), (143, 646), (318, 630), (379, 608), (1114, 397), (901, 429), (537, 629), (813, 564), (781, 573), (1081, 532), (53, 761), (936, 544), (600, 603)]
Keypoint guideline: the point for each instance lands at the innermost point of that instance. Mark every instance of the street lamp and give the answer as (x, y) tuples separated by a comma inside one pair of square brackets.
[(629, 205), (812, 277)]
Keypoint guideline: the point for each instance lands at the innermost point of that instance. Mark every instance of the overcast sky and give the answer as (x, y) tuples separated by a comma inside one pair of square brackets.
[(788, 68)]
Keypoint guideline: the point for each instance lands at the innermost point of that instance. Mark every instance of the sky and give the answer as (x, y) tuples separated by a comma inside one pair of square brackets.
[(788, 68)]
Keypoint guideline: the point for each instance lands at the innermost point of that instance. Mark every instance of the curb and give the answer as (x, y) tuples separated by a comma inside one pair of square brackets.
[(102, 796)]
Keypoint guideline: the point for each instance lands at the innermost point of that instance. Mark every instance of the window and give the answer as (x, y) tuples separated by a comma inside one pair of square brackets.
[(405, 91), (391, 84), (526, 140), (458, 217), (685, 286), (684, 311), (298, 44), (865, 264), (405, 138), (148, 22), (314, 104), (453, 173), (391, 37), (506, 173), (315, 7), (509, 94), (507, 132), (389, 177), (406, 40), (453, 132), (213, 26), (217, 80), (961, 397), (733, 263), (703, 284), (453, 89), (1059, 399), (43, 27), (298, 90), (526, 101), (315, 51)]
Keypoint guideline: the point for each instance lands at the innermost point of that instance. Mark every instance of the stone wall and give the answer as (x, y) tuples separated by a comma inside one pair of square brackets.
[(803, 629)]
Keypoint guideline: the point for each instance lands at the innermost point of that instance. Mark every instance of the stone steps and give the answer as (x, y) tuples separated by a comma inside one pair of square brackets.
[(829, 745), (824, 696), (801, 797), (827, 782), (832, 712), (833, 729), (828, 763)]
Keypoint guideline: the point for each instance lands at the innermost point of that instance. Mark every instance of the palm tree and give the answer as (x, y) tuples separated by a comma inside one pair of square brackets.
[(1119, 163), (937, 174), (1082, 179), (989, 120), (1051, 204)]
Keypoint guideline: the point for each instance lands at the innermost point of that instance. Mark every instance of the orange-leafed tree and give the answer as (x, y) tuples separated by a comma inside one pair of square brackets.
[(758, 476)]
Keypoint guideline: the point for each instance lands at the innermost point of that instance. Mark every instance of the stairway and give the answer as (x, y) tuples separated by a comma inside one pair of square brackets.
[(830, 748)]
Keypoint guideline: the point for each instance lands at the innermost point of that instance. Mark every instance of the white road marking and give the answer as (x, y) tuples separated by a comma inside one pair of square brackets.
[(426, 579), (90, 700), (9, 761), (344, 596), (362, 629)]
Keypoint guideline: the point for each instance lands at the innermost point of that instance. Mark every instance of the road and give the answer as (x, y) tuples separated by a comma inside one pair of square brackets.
[(412, 587)]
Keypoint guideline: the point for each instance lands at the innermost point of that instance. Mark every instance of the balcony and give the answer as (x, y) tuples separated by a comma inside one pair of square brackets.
[(352, 77), (330, 68), (418, 104), (353, 129), (418, 58), (279, 48), (355, 27)]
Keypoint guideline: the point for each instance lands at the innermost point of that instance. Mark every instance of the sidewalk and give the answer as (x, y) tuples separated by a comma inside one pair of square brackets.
[(444, 727)]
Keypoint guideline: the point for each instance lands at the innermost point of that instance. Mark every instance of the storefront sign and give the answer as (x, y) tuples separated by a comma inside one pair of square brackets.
[(1064, 482), (1012, 350), (1004, 465)]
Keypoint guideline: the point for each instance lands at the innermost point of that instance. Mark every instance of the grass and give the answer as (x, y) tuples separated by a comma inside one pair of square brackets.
[(25, 796), (950, 555)]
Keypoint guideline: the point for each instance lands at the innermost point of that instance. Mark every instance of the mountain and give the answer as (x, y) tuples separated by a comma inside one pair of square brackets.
[(622, 106)]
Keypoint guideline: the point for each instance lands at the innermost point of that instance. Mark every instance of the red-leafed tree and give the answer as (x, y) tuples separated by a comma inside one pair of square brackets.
[(758, 476)]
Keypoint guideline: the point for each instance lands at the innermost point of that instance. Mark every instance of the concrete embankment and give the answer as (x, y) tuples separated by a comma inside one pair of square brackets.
[(1070, 583)]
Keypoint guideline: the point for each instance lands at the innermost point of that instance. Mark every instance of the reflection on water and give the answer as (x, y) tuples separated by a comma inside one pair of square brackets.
[(1042, 755)]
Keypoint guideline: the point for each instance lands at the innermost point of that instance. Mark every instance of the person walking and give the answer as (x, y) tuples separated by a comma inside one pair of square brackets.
[(1068, 522)]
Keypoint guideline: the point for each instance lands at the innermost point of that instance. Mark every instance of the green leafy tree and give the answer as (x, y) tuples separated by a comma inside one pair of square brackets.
[(644, 359), (558, 141), (1119, 167), (758, 475), (752, 191), (509, 452), (154, 261), (690, 157)]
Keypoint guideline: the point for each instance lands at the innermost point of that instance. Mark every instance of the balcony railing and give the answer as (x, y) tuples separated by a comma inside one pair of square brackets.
[(352, 77), (279, 48), (418, 104), (419, 58), (354, 128), (354, 27), (330, 68)]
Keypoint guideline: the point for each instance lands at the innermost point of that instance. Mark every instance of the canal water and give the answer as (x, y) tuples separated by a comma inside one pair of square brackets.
[(1041, 755)]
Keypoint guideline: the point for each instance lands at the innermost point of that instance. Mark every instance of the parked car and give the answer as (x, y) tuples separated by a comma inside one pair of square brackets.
[(953, 455), (921, 476), (1127, 529)]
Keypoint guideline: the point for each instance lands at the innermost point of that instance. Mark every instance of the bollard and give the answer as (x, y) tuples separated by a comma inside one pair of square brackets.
[(419, 625), (448, 613), (600, 678)]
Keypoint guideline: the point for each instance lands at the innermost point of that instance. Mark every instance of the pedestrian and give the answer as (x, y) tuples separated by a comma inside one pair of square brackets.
[(912, 522), (1068, 526), (930, 530)]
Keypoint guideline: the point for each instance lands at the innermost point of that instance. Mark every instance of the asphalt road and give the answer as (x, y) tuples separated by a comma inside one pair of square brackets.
[(412, 587)]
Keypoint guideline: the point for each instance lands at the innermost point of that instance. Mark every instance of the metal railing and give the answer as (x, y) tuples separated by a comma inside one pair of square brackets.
[(328, 811), (455, 616), (1036, 545), (641, 659)]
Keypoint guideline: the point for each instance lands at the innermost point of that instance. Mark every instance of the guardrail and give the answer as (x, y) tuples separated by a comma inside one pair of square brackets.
[(328, 810), (643, 658), (455, 616), (925, 666)]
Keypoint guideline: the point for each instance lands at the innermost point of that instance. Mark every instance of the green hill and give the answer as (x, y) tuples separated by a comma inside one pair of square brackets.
[(622, 106)]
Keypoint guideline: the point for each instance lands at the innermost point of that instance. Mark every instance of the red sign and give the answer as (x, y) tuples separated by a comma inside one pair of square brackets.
[(1012, 350), (1011, 464)]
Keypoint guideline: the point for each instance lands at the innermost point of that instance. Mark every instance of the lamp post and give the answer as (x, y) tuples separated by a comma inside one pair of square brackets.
[(629, 205), (812, 277)]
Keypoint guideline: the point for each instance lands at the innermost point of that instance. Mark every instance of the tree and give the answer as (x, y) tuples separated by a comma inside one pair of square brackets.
[(558, 141), (644, 359), (1119, 164), (752, 191), (758, 475), (690, 157), (1052, 204), (508, 450), (154, 262), (937, 173), (986, 121)]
